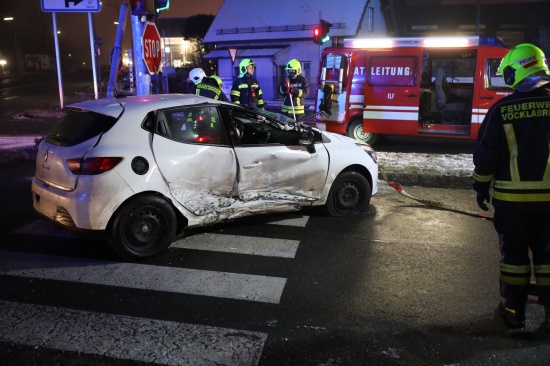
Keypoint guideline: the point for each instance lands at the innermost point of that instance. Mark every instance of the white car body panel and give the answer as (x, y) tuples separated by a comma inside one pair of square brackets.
[(206, 183)]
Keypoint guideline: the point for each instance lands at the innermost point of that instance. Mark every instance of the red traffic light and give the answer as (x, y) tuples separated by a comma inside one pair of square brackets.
[(317, 35)]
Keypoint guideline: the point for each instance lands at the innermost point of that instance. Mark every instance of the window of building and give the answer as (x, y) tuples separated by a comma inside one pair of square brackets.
[(370, 19)]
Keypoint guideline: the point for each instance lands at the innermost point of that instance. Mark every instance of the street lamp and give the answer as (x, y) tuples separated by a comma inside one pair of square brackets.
[(3, 62)]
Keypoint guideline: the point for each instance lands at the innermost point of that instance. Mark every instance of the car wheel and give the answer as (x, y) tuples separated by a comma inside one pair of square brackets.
[(142, 228), (349, 194), (355, 131)]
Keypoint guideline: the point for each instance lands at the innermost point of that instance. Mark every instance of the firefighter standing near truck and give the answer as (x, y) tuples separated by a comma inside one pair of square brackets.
[(294, 89), (246, 89), (512, 154)]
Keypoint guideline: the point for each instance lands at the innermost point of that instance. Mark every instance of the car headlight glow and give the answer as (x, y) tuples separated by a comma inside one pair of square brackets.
[(369, 150)]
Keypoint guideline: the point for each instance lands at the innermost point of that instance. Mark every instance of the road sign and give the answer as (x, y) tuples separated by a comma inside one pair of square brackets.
[(70, 6), (232, 53), (150, 43)]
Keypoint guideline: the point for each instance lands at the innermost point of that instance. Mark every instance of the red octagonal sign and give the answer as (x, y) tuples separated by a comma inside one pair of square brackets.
[(150, 44)]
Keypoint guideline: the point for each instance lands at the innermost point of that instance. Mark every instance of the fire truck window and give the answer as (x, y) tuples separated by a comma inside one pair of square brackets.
[(494, 80), (393, 71), (334, 71), (458, 71)]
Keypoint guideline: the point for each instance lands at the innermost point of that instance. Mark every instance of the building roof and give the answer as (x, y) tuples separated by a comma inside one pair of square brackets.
[(242, 20), (246, 53)]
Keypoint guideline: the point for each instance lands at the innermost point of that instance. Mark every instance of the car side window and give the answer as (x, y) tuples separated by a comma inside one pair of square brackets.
[(201, 125), (253, 130)]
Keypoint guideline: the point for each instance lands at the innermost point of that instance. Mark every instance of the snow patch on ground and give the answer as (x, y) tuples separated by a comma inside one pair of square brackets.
[(17, 142), (421, 163)]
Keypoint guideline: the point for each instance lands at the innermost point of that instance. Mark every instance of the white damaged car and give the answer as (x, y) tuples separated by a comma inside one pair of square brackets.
[(143, 168)]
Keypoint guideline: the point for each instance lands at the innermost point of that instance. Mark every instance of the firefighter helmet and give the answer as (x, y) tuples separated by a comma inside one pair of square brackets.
[(293, 66), (244, 64), (218, 80), (196, 75), (524, 67)]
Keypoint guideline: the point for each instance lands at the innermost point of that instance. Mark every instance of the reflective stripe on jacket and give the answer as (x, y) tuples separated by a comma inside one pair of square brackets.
[(246, 91), (513, 151), (301, 91)]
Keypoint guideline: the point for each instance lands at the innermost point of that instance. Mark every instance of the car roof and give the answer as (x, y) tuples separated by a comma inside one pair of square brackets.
[(141, 104)]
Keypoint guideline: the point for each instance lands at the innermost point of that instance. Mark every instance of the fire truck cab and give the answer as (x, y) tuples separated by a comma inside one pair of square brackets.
[(434, 87)]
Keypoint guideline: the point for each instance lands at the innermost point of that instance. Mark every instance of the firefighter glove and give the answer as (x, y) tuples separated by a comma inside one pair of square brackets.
[(482, 197)]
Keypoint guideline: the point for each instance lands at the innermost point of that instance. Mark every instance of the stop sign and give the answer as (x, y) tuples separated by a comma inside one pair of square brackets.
[(150, 44)]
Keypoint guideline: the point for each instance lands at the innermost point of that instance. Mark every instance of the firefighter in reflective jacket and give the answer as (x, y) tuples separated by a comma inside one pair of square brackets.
[(246, 89), (512, 155), (211, 87), (294, 89)]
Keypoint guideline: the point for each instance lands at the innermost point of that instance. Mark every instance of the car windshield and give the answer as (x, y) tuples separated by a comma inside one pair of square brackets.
[(281, 121)]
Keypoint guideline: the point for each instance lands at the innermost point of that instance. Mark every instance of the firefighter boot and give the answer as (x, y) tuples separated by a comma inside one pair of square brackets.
[(512, 313)]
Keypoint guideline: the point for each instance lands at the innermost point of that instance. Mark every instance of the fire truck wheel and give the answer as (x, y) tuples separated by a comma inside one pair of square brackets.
[(355, 131), (349, 194)]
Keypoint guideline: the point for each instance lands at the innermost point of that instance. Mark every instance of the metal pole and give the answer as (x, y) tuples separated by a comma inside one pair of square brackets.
[(143, 82), (117, 50), (93, 52), (58, 60)]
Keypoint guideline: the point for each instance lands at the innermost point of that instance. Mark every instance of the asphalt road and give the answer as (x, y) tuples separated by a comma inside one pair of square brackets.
[(403, 284)]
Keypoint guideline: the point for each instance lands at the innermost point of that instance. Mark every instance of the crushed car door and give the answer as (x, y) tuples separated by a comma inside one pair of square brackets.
[(193, 154), (274, 169)]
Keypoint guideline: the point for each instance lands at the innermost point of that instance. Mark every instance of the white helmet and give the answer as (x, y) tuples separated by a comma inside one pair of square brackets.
[(196, 75)]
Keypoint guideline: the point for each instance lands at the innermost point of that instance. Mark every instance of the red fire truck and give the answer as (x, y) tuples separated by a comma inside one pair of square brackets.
[(434, 87)]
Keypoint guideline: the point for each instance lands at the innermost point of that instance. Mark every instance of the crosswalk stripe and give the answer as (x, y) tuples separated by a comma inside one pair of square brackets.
[(240, 245), (298, 221), (45, 228), (141, 276), (129, 338)]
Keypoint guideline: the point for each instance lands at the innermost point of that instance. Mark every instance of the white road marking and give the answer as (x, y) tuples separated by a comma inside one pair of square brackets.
[(147, 277), (240, 245), (128, 338), (298, 221)]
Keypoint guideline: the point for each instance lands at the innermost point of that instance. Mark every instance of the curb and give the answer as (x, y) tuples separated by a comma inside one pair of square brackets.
[(430, 180)]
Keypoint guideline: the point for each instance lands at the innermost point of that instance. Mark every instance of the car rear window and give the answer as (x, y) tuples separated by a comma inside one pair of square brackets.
[(79, 126)]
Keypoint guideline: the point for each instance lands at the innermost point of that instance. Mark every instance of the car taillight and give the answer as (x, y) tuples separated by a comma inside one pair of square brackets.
[(92, 166)]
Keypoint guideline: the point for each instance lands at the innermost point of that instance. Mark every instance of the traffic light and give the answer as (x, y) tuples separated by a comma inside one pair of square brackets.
[(317, 35), (325, 28), (148, 7), (320, 32), (161, 5)]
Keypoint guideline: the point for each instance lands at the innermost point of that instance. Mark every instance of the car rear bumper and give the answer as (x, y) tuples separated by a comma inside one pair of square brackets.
[(84, 208)]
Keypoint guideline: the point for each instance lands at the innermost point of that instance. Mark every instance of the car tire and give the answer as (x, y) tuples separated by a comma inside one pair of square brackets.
[(355, 131), (142, 228), (349, 194)]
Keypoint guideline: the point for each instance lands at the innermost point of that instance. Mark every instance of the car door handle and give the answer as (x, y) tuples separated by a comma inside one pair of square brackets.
[(486, 97), (411, 96), (252, 165)]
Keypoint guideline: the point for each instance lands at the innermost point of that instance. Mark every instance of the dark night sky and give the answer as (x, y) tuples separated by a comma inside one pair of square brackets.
[(74, 37)]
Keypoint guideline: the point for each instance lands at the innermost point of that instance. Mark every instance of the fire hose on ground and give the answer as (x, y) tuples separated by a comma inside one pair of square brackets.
[(431, 203), (443, 206)]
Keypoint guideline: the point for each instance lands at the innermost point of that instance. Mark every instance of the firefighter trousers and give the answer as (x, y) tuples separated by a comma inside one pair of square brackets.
[(520, 234)]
